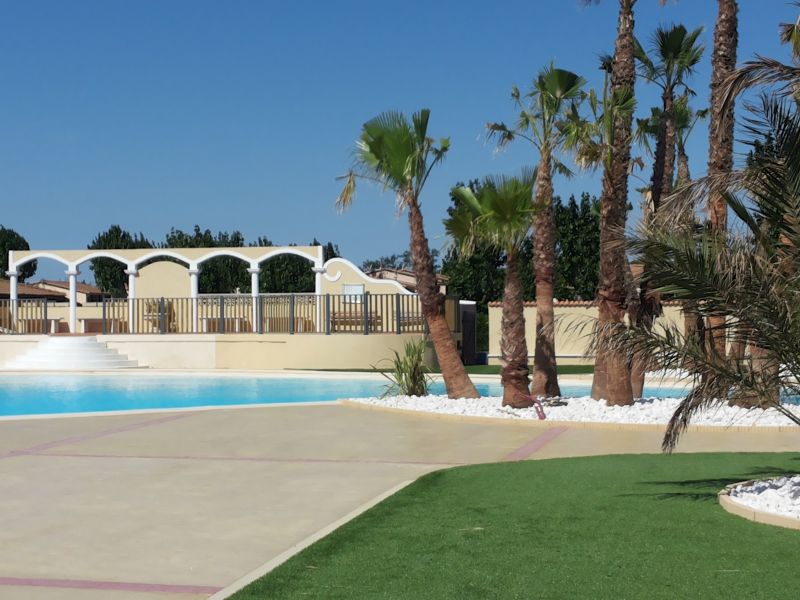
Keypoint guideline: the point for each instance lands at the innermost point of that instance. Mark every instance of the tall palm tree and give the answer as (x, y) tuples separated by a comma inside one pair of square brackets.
[(720, 130), (554, 93), (675, 55), (685, 117), (750, 278), (400, 156), (646, 134), (499, 216), (611, 373)]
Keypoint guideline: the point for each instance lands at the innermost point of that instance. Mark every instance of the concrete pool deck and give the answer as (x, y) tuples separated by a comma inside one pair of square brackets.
[(183, 504)]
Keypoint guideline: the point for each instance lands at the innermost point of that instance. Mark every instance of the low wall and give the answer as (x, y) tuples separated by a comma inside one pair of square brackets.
[(254, 352), (12, 346), (574, 323)]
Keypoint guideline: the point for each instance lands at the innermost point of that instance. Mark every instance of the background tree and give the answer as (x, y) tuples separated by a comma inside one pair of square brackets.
[(499, 215), (109, 274), (289, 274), (223, 274), (477, 277), (541, 122), (577, 251), (577, 248), (399, 155), (11, 240)]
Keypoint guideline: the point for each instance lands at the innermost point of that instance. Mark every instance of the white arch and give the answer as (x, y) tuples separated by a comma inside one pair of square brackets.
[(162, 252), (37, 255), (332, 263), (101, 254), (289, 250), (216, 253)]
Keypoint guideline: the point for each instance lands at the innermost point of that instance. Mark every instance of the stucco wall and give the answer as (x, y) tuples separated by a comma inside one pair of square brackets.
[(344, 272), (163, 279), (259, 352), (574, 325)]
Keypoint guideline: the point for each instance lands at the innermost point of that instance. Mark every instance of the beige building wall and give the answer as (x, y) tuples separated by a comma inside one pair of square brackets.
[(343, 273), (259, 352), (574, 326), (163, 279)]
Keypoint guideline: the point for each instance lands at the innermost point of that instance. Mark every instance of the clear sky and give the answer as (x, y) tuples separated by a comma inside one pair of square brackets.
[(239, 115)]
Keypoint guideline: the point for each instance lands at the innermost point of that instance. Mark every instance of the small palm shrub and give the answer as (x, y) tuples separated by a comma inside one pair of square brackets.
[(409, 374)]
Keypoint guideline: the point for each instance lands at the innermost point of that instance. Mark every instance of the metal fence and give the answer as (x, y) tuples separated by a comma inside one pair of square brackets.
[(28, 316), (328, 314)]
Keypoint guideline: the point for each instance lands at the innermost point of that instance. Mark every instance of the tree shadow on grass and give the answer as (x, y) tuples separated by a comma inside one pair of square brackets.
[(707, 489)]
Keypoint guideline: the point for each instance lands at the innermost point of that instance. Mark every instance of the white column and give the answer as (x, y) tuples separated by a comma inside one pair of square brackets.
[(318, 271), (194, 282), (132, 273), (254, 273), (73, 299), (13, 295)]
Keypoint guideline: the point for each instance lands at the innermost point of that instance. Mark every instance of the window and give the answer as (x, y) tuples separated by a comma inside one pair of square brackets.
[(353, 292)]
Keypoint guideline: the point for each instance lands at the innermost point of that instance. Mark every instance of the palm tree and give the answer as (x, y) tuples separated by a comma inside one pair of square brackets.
[(685, 117), (611, 371), (554, 93), (499, 215), (399, 155), (676, 54), (647, 131), (750, 278)]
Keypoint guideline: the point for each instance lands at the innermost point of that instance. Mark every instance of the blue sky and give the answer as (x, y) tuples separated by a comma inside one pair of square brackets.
[(239, 115)]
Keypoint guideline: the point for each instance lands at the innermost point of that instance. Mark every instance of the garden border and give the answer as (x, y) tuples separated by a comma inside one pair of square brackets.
[(571, 424), (752, 514)]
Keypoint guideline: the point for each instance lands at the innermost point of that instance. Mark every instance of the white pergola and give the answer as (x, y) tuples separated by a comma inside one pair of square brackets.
[(132, 259)]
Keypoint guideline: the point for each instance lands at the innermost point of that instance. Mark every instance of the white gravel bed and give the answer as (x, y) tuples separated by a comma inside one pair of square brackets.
[(779, 496), (645, 411)]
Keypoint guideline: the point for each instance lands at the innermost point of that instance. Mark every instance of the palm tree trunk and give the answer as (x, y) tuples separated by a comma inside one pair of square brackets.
[(720, 130), (691, 326), (513, 346), (545, 377), (660, 187), (456, 380), (684, 177), (612, 375)]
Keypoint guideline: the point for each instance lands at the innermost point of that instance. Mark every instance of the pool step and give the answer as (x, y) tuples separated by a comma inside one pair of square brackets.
[(70, 354)]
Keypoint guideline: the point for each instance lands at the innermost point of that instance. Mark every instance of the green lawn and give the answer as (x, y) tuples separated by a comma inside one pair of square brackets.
[(612, 527)]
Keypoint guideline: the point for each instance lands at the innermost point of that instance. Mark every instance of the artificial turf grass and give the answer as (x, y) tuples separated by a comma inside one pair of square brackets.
[(610, 527)]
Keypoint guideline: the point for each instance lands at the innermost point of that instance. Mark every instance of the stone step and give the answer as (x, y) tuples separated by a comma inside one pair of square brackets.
[(70, 354)]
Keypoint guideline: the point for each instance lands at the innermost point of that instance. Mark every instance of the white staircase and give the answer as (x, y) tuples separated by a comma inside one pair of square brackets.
[(70, 354)]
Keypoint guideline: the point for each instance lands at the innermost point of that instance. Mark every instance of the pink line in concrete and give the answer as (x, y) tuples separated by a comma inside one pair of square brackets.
[(92, 436), (264, 459), (536, 444), (87, 584)]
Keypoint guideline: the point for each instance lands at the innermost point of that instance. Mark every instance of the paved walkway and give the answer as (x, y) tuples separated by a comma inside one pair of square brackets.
[(180, 505)]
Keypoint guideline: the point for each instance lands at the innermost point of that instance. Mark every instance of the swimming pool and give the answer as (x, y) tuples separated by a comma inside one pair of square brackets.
[(74, 393)]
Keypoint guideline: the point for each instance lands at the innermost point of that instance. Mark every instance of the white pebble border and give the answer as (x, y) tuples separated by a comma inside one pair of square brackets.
[(653, 411), (779, 496)]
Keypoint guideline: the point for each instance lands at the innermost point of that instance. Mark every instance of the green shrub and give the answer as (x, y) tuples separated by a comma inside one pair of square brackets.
[(409, 374)]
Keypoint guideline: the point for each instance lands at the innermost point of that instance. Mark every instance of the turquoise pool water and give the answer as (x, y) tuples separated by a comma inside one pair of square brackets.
[(58, 394)]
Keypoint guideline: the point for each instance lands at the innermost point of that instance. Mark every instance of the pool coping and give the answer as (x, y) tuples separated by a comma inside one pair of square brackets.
[(750, 513)]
